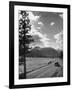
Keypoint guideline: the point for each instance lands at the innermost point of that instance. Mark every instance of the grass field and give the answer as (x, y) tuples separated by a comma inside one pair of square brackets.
[(42, 67)]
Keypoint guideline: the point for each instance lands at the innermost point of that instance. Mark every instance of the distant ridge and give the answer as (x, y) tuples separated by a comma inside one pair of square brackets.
[(43, 52)]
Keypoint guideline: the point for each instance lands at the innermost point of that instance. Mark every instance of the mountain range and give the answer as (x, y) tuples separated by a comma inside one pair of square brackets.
[(43, 52)]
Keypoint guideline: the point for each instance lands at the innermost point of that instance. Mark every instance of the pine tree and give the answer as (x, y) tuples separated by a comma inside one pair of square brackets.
[(24, 37)]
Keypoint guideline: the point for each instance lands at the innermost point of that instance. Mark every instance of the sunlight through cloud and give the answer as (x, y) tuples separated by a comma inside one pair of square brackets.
[(52, 23), (59, 40)]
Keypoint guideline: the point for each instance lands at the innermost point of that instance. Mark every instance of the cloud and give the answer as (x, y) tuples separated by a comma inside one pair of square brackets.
[(40, 41), (38, 27), (33, 17), (59, 40), (52, 23), (40, 23), (59, 35), (36, 38), (40, 38), (61, 15)]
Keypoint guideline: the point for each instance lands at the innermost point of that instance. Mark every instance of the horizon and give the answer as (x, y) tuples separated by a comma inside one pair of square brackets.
[(46, 47)]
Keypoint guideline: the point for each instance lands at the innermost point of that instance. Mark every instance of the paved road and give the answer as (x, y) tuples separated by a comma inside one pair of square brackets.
[(46, 71)]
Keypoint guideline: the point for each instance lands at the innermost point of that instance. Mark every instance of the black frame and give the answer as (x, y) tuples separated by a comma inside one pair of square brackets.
[(11, 44)]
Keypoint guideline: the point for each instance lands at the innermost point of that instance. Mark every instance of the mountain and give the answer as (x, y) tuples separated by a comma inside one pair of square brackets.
[(43, 52)]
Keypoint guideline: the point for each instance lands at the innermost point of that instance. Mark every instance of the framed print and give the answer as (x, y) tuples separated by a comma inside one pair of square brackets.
[(39, 44)]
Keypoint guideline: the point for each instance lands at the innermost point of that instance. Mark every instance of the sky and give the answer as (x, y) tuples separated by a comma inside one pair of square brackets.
[(46, 29)]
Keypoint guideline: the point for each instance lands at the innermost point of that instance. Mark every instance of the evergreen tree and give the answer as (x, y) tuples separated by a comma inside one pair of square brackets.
[(24, 37)]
